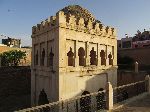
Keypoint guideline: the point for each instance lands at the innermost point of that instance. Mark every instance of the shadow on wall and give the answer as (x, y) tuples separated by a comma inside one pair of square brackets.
[(98, 81), (15, 84), (94, 82)]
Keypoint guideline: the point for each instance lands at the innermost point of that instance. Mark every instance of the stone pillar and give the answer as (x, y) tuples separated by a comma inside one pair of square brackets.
[(147, 78), (109, 96), (98, 55), (46, 54), (76, 54), (33, 54), (136, 67), (87, 54), (39, 54), (106, 55)]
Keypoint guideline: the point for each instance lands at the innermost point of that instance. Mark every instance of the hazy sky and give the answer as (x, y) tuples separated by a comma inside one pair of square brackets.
[(18, 16)]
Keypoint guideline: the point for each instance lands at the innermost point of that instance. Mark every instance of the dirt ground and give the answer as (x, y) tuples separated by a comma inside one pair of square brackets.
[(141, 105)]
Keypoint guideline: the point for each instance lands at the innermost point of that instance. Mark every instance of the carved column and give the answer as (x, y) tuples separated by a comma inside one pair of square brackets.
[(106, 56), (98, 55), (46, 54), (87, 54), (136, 67), (109, 96), (76, 54)]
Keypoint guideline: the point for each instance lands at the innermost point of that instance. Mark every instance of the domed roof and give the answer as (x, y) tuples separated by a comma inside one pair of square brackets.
[(78, 12)]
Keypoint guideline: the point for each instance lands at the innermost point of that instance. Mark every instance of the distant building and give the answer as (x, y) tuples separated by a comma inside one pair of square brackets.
[(12, 42), (136, 47), (140, 40), (125, 43)]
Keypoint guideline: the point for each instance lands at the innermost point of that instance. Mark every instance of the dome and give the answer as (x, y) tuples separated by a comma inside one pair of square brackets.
[(78, 12)]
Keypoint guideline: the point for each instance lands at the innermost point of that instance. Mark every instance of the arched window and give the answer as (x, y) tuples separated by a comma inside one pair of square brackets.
[(103, 59), (36, 58), (85, 102), (43, 98), (93, 59), (70, 55), (124, 95), (43, 57), (50, 58), (81, 54), (110, 59), (101, 104)]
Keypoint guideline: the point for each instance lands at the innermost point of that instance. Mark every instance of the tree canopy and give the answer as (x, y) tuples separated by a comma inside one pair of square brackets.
[(12, 58)]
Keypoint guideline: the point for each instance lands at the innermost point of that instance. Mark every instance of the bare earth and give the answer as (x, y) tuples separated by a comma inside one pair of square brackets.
[(141, 105)]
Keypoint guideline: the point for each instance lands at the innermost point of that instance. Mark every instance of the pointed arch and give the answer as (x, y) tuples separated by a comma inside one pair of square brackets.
[(110, 59), (93, 59), (36, 58), (50, 58), (81, 54), (43, 57), (101, 104), (43, 98), (85, 102), (70, 55), (103, 57)]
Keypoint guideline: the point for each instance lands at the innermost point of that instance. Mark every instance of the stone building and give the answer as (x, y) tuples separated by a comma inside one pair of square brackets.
[(12, 42), (72, 52)]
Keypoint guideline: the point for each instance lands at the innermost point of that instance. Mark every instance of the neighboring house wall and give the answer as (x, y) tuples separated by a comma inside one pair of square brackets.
[(141, 55), (15, 84), (126, 77)]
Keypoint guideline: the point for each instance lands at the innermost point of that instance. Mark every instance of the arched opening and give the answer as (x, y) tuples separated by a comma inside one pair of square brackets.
[(85, 102), (101, 104), (103, 59), (110, 59), (43, 57), (36, 58), (81, 54), (50, 58), (70, 55), (43, 98), (93, 59), (124, 95)]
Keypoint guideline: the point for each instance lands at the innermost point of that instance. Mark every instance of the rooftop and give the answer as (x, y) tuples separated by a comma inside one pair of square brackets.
[(79, 12)]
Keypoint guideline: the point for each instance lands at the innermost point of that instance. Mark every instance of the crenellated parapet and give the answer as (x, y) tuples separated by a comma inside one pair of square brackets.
[(44, 25), (69, 21)]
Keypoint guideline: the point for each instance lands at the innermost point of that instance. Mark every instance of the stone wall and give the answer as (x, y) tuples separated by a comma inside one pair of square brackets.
[(141, 55), (15, 84), (70, 54), (127, 77)]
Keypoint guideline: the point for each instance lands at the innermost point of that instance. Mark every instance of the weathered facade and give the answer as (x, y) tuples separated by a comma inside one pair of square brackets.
[(72, 52)]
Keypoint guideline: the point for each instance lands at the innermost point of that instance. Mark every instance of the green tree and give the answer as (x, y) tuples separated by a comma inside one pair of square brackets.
[(12, 58)]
